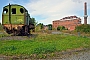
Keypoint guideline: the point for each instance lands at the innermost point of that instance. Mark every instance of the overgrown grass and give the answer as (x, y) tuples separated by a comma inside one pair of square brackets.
[(43, 44)]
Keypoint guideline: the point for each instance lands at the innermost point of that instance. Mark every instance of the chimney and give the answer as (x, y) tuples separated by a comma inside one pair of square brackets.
[(85, 13)]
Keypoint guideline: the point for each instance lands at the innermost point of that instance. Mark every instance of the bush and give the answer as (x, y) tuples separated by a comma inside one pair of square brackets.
[(83, 28), (61, 28)]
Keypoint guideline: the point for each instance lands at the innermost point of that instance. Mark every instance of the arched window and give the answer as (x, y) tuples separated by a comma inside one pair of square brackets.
[(5, 10), (21, 10)]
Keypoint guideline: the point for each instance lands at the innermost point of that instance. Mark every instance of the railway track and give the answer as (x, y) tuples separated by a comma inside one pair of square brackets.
[(11, 37)]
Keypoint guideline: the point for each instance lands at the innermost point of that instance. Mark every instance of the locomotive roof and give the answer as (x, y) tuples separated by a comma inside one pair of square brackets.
[(15, 5)]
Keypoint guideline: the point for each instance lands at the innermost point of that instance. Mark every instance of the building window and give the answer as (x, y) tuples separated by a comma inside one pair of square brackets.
[(13, 10)]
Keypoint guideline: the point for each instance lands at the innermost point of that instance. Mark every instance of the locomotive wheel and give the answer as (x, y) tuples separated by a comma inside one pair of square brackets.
[(7, 30), (15, 33), (26, 30)]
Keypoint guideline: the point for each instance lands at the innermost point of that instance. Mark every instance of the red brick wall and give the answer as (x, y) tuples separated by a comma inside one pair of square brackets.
[(68, 22)]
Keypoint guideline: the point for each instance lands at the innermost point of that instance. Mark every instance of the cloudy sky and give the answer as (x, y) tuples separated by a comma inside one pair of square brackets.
[(45, 11)]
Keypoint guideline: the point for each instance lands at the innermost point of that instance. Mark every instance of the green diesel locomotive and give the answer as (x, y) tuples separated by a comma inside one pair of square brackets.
[(16, 20)]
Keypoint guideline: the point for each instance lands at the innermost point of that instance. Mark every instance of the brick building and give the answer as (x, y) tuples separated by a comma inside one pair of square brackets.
[(69, 22)]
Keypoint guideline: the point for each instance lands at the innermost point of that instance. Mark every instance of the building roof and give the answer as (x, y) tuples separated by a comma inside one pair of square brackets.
[(68, 18)]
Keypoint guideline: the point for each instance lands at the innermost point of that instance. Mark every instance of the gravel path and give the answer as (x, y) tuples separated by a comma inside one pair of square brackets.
[(85, 55)]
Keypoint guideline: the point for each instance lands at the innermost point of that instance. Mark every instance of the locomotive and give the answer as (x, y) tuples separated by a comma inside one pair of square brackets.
[(16, 20)]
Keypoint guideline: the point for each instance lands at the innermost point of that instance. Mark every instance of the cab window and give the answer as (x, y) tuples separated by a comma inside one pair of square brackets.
[(5, 10), (21, 10), (13, 10)]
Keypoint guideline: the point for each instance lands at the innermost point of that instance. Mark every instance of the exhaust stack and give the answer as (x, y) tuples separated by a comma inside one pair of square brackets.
[(85, 13)]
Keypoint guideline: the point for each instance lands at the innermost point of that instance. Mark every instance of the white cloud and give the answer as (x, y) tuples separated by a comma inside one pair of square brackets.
[(45, 11)]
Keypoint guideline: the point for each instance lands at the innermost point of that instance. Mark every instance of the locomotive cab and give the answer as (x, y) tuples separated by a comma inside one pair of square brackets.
[(15, 19)]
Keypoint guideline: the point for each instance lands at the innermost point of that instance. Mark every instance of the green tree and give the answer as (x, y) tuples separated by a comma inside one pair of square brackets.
[(49, 26), (33, 21), (41, 25)]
